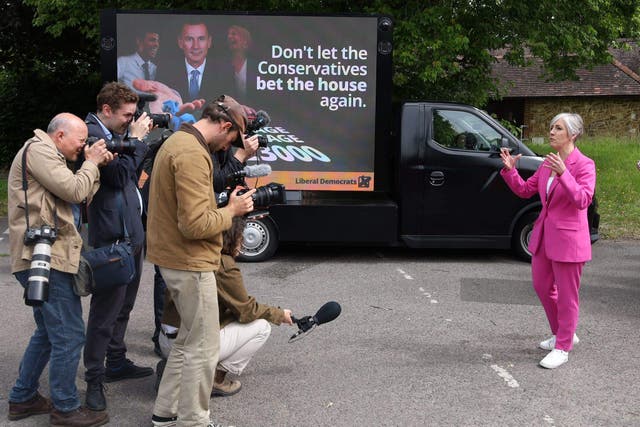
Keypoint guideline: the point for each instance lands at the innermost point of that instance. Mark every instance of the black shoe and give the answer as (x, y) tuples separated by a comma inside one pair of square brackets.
[(127, 370), (95, 399)]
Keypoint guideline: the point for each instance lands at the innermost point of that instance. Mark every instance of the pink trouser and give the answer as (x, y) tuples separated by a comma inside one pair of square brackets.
[(557, 285)]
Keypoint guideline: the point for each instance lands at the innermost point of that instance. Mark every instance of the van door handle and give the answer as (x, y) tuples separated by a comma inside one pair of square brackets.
[(436, 178)]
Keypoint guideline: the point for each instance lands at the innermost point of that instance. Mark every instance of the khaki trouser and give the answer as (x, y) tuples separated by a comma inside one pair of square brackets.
[(186, 384)]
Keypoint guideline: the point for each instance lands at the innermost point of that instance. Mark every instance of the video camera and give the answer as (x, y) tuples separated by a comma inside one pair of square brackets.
[(261, 120), (265, 196), (161, 120)]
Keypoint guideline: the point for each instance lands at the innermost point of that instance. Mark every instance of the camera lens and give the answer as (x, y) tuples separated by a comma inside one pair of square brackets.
[(270, 194), (37, 290)]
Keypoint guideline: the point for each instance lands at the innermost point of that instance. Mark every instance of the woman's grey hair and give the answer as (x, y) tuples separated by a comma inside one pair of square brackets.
[(574, 123)]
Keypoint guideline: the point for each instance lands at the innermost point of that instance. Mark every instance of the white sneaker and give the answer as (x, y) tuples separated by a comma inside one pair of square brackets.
[(550, 343), (554, 359)]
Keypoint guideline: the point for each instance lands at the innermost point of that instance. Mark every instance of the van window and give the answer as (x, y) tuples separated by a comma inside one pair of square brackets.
[(461, 130)]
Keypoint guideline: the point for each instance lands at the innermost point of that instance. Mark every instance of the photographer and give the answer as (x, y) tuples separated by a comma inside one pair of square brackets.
[(184, 240), (225, 163), (244, 322), (117, 198), (52, 193)]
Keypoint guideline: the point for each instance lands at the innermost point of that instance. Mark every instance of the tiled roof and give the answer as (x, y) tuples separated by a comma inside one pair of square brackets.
[(620, 78)]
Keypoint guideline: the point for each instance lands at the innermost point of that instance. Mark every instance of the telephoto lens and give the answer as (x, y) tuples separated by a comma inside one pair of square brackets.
[(37, 291)]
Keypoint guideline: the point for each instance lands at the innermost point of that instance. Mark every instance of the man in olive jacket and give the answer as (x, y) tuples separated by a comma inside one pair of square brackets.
[(53, 190), (184, 239)]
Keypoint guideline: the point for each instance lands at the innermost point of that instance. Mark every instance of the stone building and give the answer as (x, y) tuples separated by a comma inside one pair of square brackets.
[(607, 97)]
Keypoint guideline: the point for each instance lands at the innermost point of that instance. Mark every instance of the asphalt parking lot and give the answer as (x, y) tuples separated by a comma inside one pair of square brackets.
[(424, 338)]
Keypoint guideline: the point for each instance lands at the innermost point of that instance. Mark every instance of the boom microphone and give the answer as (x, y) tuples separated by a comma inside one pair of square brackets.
[(325, 314), (255, 171)]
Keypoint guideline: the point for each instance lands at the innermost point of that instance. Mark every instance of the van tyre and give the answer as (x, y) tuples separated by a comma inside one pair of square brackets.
[(522, 234), (260, 240)]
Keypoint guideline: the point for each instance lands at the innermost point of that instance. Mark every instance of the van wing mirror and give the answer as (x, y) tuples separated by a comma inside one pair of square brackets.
[(504, 143)]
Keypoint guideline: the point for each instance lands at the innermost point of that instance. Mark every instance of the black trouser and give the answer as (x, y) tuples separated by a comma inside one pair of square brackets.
[(158, 302), (107, 325)]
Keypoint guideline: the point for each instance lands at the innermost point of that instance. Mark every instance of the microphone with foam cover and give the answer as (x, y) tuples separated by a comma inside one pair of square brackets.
[(325, 314), (255, 171), (252, 171)]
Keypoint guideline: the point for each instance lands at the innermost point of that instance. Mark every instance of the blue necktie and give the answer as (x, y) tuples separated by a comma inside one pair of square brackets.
[(194, 88), (145, 70)]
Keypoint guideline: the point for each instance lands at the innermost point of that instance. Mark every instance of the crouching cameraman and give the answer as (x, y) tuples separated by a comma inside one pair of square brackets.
[(52, 194), (244, 322)]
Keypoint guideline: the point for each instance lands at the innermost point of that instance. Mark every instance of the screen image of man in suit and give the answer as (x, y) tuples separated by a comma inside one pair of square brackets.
[(197, 77), (140, 65)]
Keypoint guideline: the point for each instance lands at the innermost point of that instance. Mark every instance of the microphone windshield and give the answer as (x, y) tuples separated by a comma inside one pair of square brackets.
[(263, 117), (257, 170), (327, 312)]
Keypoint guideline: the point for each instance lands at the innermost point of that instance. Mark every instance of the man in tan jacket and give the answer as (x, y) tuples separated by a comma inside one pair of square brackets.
[(52, 191), (184, 238)]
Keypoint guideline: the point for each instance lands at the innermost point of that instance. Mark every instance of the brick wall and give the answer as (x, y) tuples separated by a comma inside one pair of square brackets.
[(603, 116)]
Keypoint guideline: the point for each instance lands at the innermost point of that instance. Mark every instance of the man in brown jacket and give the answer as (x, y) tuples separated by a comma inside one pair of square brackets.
[(184, 238), (53, 190)]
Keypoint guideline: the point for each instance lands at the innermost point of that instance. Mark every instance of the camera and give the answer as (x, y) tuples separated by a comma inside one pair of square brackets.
[(115, 145), (261, 120), (161, 120), (37, 291), (265, 196), (263, 141)]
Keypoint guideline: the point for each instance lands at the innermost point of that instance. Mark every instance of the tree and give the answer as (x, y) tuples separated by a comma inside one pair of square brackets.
[(442, 48)]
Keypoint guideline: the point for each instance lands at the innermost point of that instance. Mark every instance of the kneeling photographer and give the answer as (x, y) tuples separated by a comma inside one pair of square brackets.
[(114, 212), (43, 196), (244, 322)]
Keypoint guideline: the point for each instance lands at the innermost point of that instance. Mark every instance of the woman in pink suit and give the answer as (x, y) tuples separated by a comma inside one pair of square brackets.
[(560, 240)]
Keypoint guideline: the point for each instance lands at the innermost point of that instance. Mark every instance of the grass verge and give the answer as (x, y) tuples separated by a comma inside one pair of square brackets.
[(617, 183)]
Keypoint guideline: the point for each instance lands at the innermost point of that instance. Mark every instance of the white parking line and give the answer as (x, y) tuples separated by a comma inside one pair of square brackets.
[(406, 276), (506, 376)]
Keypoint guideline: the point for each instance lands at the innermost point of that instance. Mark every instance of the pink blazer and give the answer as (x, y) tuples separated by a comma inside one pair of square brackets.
[(562, 225)]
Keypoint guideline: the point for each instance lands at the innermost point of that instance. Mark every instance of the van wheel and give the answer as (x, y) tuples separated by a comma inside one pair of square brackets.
[(522, 234), (260, 240)]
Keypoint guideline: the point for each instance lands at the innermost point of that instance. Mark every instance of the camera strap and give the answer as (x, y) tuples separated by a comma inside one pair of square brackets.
[(124, 225), (25, 185)]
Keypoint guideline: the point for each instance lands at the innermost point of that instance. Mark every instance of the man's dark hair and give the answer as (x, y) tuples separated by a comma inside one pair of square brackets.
[(215, 111), (142, 31), (192, 23), (232, 237), (115, 94)]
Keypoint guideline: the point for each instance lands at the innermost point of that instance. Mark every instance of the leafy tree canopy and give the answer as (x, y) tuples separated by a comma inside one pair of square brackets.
[(49, 49)]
